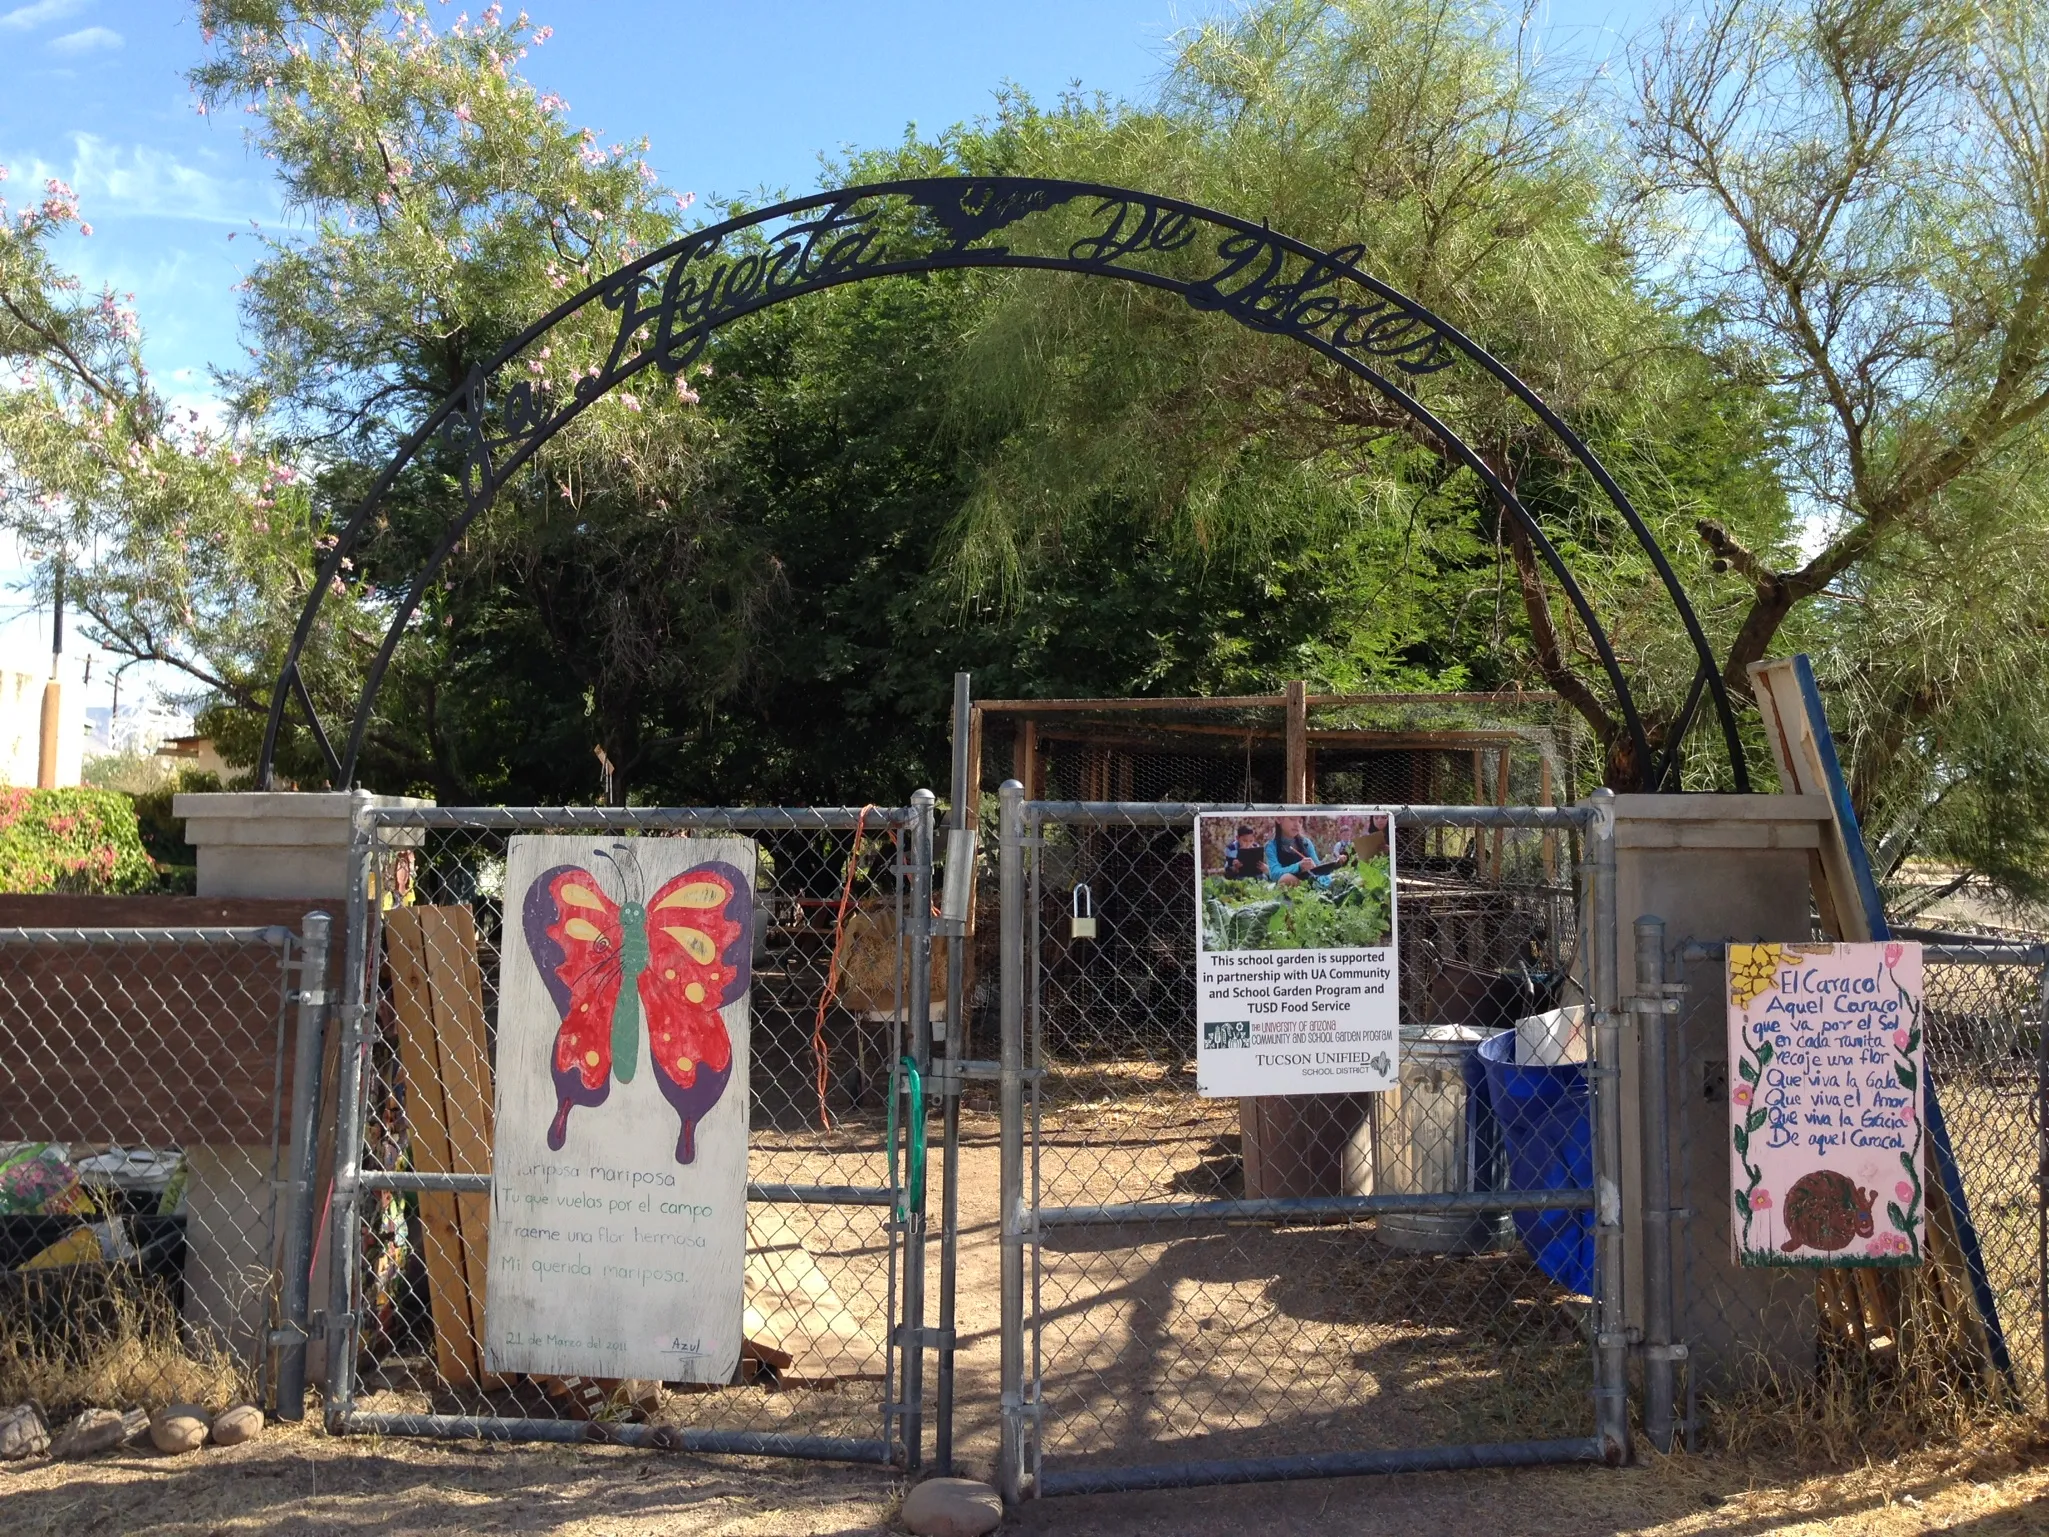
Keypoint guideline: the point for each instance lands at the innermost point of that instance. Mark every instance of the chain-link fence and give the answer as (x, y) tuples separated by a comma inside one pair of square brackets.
[(839, 999), (148, 1169), (1857, 1351), (1985, 1063), (1211, 1289)]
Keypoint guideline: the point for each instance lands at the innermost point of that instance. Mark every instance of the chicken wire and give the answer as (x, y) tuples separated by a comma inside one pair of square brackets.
[(143, 1192), (834, 1254), (1216, 1289)]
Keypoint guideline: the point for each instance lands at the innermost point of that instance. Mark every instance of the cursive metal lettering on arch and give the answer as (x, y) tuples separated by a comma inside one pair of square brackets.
[(665, 307)]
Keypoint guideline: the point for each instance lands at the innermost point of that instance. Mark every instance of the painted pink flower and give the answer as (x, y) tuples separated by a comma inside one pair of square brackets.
[(1741, 1094), (1904, 1191), (1907, 1111), (1760, 1200), (1893, 952), (1899, 1040)]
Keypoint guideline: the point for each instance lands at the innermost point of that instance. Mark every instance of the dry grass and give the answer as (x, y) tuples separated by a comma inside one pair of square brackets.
[(80, 1337)]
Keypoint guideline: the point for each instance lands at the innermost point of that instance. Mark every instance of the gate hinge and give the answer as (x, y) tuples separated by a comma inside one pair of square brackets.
[(315, 996), (1618, 1339), (1672, 1352), (927, 1338), (1640, 1004)]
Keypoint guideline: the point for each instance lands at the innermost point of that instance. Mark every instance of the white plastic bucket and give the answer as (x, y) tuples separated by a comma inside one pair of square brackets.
[(1553, 1038)]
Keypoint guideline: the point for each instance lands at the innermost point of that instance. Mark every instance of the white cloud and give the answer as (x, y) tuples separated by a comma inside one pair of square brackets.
[(140, 180), (24, 18), (90, 40)]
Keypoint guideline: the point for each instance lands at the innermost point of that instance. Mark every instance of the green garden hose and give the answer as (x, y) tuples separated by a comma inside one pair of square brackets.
[(914, 1180)]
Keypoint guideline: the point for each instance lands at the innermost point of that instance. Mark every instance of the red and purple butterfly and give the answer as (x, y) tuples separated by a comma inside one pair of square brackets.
[(678, 957)]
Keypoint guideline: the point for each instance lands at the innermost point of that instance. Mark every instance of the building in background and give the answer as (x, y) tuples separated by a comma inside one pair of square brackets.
[(21, 722), (193, 752)]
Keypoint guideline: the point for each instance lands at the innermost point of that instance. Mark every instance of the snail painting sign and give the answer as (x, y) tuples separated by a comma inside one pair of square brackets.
[(1825, 1135), (619, 1168)]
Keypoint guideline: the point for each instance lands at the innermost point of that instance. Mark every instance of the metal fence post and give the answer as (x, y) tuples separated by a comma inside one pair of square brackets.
[(2041, 1191), (358, 1019), (1652, 1009), (962, 820), (920, 1016), (1010, 1455), (1611, 1411), (306, 1055)]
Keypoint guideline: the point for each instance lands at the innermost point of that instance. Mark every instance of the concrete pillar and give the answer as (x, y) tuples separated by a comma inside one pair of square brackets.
[(275, 843), (1714, 867), (263, 844)]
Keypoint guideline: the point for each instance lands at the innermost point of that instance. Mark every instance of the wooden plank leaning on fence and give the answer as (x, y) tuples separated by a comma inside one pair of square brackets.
[(438, 997)]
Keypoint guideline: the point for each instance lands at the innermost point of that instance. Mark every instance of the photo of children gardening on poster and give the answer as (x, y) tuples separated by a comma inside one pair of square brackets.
[(1314, 881)]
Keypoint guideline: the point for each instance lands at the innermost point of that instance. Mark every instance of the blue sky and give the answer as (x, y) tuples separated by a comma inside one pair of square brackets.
[(735, 97)]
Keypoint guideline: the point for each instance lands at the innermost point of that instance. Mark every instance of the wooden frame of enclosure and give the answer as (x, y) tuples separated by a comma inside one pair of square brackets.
[(1299, 738)]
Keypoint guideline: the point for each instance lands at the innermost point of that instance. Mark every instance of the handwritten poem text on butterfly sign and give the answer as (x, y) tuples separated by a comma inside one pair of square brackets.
[(592, 1213), (609, 1256)]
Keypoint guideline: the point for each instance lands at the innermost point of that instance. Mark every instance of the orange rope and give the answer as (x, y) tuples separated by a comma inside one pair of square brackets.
[(832, 968)]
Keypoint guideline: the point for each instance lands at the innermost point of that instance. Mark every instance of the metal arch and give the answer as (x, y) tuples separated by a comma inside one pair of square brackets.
[(670, 301)]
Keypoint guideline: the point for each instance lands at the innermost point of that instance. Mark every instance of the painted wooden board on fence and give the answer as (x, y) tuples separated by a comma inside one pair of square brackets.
[(619, 1164), (1825, 1138)]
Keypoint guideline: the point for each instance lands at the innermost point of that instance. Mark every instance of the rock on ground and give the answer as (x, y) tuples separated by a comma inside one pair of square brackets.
[(22, 1432), (242, 1423), (178, 1428), (93, 1432), (952, 1507)]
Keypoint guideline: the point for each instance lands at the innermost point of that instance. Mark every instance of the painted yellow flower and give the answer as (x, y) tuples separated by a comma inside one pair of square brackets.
[(1754, 969)]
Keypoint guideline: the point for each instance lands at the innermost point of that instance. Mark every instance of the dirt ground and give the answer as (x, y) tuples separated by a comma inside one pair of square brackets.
[(299, 1482)]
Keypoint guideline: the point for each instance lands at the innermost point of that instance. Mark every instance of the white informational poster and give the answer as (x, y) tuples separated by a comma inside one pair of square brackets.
[(1295, 982), (619, 1170)]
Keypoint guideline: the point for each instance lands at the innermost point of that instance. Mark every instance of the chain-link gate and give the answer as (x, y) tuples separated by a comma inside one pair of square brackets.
[(844, 985), (1201, 1290), (147, 1177)]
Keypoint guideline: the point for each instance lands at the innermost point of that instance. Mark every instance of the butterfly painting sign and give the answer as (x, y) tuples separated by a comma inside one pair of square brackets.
[(1825, 1133), (619, 1169)]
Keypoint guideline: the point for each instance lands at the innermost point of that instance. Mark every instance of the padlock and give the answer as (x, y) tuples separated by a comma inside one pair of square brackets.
[(1084, 913)]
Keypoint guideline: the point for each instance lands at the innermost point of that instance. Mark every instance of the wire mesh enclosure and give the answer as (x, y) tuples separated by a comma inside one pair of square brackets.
[(1295, 746), (1288, 1286), (833, 1245), (145, 1180)]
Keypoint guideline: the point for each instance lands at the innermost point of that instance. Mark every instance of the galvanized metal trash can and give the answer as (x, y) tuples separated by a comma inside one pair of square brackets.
[(1428, 1143)]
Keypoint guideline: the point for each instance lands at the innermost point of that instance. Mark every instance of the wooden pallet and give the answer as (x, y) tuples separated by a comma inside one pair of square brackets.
[(438, 997)]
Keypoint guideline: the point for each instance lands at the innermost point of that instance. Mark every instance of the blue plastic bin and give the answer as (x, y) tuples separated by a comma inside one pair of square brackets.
[(1543, 1117)]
